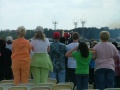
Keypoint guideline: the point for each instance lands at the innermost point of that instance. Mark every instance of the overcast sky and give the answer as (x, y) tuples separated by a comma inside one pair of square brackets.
[(32, 13)]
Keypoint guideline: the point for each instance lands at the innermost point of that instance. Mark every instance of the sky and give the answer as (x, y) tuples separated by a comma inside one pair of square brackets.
[(33, 13)]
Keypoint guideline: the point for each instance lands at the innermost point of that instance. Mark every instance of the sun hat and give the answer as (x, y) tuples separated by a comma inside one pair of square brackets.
[(39, 28)]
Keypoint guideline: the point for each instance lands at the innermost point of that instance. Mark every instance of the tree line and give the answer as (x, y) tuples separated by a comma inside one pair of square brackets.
[(87, 33)]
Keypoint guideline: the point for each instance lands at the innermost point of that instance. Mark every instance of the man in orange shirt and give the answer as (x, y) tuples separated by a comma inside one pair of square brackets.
[(21, 57)]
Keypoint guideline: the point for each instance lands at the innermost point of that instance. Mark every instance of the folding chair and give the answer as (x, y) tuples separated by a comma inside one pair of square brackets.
[(51, 80), (70, 83), (6, 81), (5, 86), (40, 88), (85, 89), (1, 88), (75, 88), (51, 85), (30, 81), (90, 86), (17, 88), (62, 87), (28, 85), (11, 81)]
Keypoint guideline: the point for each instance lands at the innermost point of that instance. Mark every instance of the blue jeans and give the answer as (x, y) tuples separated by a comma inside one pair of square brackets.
[(104, 78), (58, 75), (82, 81), (71, 75)]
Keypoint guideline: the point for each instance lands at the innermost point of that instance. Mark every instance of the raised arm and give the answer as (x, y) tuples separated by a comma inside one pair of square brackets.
[(69, 53)]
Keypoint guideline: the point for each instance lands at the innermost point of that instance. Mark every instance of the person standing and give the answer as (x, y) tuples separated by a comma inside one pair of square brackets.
[(71, 61), (104, 62), (40, 62), (82, 55), (21, 49), (92, 66), (117, 67), (9, 40), (57, 54), (5, 62)]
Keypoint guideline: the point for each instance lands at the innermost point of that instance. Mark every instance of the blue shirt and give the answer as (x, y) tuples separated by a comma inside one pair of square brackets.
[(92, 64), (57, 55)]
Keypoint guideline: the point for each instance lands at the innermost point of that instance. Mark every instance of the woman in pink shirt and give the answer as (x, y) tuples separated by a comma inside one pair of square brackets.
[(104, 60)]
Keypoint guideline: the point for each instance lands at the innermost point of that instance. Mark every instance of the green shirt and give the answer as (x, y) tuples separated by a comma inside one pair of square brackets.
[(82, 63)]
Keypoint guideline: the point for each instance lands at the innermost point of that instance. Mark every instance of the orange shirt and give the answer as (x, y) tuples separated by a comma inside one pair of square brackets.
[(21, 50)]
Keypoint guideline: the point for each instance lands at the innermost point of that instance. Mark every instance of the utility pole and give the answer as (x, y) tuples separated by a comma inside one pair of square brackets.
[(75, 23), (83, 21), (55, 24)]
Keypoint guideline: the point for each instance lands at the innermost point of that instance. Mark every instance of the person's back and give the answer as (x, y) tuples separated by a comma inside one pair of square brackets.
[(82, 55), (9, 46), (21, 56), (92, 65), (40, 46), (9, 40), (71, 61), (117, 67), (82, 63), (105, 53), (5, 57), (40, 61), (57, 55), (5, 62), (70, 73), (21, 49)]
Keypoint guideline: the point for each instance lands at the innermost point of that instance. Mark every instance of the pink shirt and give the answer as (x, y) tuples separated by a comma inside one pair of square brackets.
[(105, 53)]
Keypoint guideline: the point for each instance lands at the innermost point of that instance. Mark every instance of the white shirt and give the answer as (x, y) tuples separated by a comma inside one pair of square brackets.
[(71, 61), (9, 46), (40, 46)]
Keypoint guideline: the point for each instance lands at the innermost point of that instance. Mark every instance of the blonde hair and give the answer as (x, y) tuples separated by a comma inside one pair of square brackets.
[(21, 31), (104, 35), (40, 35)]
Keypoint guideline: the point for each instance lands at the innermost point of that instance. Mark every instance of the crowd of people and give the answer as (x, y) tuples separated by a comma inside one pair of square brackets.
[(65, 61)]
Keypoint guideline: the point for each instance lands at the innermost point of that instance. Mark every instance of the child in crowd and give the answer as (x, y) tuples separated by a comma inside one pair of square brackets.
[(92, 66), (82, 55)]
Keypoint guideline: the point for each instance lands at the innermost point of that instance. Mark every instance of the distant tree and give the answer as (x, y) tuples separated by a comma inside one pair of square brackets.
[(89, 33)]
